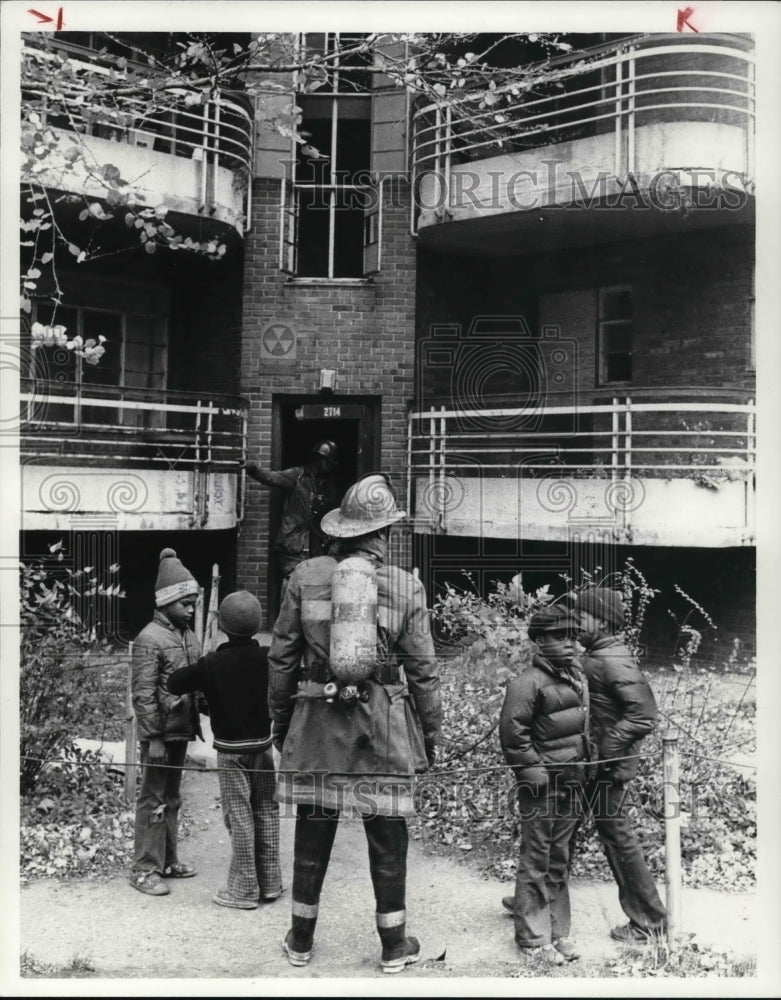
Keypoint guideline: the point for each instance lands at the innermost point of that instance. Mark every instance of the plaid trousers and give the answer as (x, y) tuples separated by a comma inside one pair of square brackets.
[(247, 786)]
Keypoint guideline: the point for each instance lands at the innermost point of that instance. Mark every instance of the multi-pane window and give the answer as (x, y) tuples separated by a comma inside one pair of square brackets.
[(331, 213), (135, 358), (615, 335)]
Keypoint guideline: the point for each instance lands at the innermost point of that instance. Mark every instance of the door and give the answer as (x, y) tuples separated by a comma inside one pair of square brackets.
[(299, 423)]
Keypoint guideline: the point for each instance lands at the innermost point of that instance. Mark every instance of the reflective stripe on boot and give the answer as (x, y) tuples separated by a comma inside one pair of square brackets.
[(298, 940)]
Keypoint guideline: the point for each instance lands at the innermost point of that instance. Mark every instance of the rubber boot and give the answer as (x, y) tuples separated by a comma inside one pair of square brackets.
[(398, 950), (298, 940)]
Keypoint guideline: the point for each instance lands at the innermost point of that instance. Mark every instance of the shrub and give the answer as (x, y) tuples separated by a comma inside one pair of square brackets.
[(60, 682)]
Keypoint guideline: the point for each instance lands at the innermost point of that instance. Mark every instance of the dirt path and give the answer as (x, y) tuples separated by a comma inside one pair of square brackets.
[(124, 934)]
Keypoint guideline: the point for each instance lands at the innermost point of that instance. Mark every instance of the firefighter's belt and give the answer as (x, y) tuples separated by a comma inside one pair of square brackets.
[(384, 673)]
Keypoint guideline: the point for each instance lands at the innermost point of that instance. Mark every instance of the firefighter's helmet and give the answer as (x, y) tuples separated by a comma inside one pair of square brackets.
[(325, 449), (368, 505)]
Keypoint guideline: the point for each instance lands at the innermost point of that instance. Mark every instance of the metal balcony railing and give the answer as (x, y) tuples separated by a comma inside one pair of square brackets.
[(702, 435), (612, 89), (219, 132), (80, 424)]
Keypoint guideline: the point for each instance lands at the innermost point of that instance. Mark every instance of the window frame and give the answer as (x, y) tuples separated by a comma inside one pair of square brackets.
[(602, 325), (333, 190), (83, 386)]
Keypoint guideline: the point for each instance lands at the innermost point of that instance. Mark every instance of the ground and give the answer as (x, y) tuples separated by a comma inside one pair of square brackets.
[(103, 928)]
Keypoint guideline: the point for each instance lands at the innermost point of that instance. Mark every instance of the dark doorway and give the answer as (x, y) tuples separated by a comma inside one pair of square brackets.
[(299, 422)]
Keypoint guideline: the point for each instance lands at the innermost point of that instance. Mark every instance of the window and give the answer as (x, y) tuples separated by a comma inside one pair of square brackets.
[(615, 335), (135, 358), (331, 207)]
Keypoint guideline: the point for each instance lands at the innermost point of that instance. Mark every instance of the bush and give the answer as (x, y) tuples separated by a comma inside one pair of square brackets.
[(61, 661)]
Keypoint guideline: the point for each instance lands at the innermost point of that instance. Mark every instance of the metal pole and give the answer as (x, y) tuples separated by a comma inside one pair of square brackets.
[(131, 734), (672, 837)]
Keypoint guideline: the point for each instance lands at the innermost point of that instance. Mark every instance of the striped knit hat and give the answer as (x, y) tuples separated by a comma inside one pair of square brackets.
[(173, 581)]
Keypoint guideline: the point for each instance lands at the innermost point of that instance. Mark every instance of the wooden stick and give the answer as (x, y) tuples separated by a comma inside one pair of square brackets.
[(131, 734), (672, 837)]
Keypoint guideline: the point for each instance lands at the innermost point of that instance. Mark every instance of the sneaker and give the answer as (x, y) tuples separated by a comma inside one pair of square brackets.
[(295, 957), (397, 958), (545, 954), (632, 934), (508, 902), (223, 898), (149, 882), (178, 870), (567, 947)]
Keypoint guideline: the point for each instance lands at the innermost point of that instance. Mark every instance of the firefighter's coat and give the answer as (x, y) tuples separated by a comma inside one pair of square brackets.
[(354, 756)]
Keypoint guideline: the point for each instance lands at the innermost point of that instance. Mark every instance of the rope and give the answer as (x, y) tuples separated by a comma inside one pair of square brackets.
[(387, 774)]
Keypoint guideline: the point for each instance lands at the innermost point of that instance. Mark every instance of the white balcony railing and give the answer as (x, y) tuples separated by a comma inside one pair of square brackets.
[(611, 90), (73, 423), (218, 133), (537, 450)]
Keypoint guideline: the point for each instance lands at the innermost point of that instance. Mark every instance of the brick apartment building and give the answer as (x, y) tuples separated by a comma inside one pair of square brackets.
[(539, 324)]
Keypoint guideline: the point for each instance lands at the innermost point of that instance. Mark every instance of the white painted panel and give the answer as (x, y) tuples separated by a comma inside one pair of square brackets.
[(62, 498), (677, 512)]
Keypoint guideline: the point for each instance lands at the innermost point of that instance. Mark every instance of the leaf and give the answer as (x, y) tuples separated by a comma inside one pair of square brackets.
[(46, 257), (150, 247)]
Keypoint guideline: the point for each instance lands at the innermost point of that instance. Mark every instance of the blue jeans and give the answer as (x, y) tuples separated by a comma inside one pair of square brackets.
[(157, 809)]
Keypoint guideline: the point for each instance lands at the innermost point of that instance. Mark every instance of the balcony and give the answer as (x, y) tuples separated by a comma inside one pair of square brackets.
[(195, 159), (660, 124), (130, 459), (673, 467)]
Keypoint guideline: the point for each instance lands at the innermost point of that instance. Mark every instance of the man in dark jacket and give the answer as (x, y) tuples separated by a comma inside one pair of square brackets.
[(234, 680), (310, 490), (623, 711), (544, 735), (360, 756)]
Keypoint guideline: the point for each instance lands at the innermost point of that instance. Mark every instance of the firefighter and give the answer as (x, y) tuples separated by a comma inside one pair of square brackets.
[(310, 491), (352, 740)]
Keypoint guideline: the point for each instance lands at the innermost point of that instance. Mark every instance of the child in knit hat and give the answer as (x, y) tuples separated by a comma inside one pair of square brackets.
[(234, 680), (165, 725)]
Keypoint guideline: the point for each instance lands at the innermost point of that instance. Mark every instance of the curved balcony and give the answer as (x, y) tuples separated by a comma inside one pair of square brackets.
[(662, 123), (134, 459), (194, 158), (659, 467)]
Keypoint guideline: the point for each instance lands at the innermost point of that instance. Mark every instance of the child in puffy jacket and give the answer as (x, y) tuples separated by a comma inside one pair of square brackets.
[(544, 736), (166, 724)]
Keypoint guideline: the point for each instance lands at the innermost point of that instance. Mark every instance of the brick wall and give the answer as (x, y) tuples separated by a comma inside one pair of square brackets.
[(691, 292), (365, 331)]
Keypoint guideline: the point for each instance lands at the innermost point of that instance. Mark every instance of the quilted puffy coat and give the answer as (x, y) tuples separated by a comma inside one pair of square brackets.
[(158, 650), (623, 707), (544, 721)]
